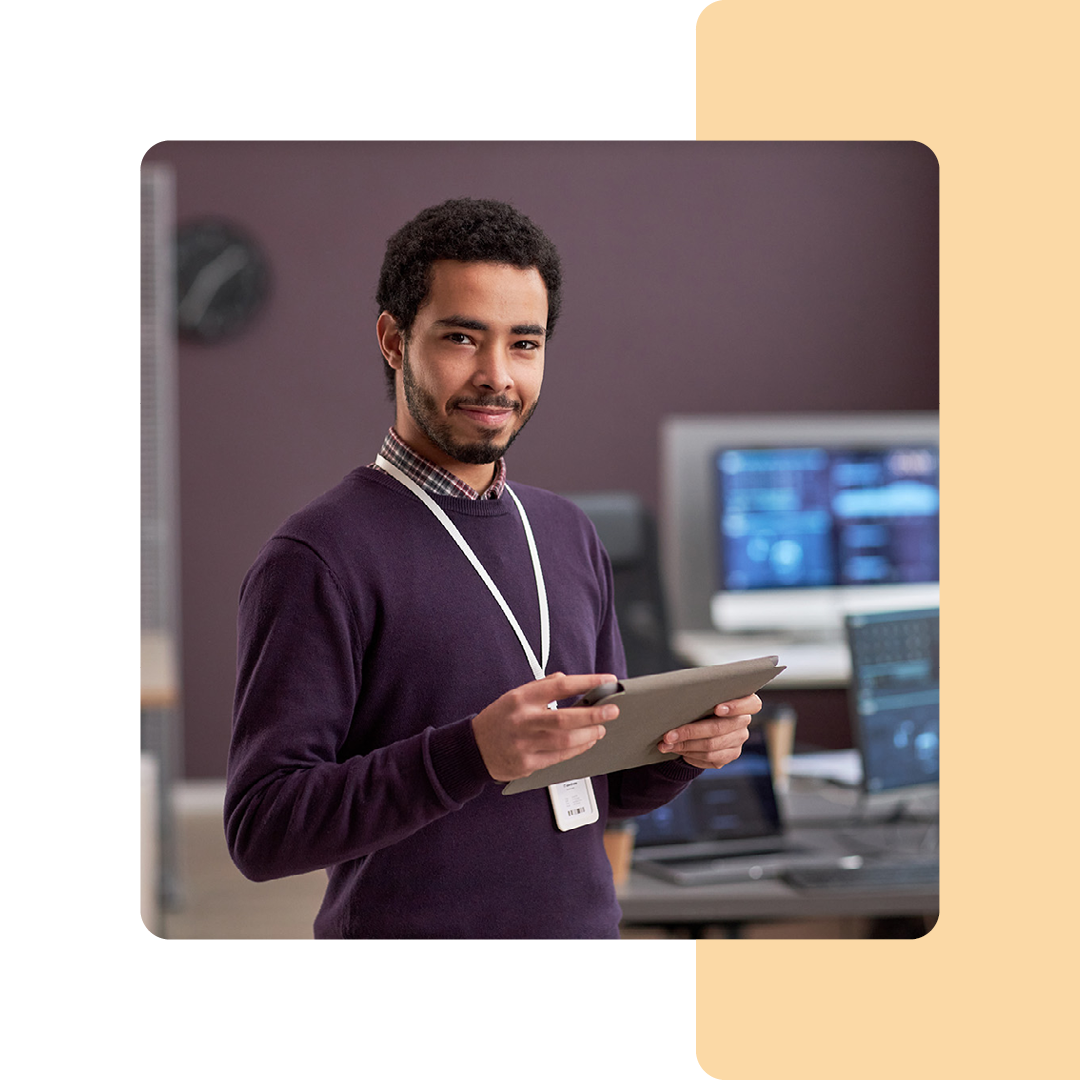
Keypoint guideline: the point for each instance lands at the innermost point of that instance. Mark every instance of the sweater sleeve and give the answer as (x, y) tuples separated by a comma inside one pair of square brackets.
[(291, 804), (637, 791)]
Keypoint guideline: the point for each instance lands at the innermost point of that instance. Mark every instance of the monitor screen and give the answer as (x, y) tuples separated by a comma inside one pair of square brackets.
[(894, 697), (820, 517)]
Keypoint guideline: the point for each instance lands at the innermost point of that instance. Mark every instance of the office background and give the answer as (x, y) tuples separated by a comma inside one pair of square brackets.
[(699, 278)]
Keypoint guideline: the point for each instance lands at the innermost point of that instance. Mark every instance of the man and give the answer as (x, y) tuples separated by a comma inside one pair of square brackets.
[(388, 631)]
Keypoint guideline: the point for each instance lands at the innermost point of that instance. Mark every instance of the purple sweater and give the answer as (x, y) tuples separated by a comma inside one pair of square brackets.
[(367, 643)]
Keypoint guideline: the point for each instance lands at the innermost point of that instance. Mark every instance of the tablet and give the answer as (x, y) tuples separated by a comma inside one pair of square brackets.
[(649, 706)]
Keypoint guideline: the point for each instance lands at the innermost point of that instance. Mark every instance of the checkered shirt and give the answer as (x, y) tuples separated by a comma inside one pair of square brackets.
[(434, 480)]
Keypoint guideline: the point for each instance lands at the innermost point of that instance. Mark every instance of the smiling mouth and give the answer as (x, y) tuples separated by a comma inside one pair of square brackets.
[(487, 415)]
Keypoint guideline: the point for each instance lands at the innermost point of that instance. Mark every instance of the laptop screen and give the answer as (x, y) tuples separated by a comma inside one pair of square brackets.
[(736, 802)]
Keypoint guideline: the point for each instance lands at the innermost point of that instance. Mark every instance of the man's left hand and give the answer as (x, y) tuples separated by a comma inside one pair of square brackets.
[(711, 744)]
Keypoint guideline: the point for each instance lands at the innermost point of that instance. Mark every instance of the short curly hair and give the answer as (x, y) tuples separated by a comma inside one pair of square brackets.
[(466, 230)]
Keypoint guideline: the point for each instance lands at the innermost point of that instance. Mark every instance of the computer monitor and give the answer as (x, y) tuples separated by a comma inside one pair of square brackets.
[(789, 522), (894, 700)]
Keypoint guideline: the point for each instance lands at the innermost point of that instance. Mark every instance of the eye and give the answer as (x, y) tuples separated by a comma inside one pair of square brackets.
[(458, 338), (528, 346)]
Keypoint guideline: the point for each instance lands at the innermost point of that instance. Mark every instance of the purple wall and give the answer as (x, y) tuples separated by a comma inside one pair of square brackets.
[(699, 277)]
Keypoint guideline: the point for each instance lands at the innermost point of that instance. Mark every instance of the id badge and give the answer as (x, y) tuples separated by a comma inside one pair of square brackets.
[(574, 804)]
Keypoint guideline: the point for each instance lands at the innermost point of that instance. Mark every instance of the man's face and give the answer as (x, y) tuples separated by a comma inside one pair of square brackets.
[(473, 364)]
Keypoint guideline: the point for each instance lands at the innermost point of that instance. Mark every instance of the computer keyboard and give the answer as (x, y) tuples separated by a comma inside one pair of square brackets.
[(866, 876)]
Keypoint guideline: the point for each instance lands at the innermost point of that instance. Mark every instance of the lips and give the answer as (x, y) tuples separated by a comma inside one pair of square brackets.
[(487, 415)]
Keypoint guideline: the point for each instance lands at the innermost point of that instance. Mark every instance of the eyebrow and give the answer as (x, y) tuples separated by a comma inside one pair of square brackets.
[(475, 324)]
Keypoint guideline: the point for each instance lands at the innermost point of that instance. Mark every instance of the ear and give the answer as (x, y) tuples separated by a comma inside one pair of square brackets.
[(391, 340)]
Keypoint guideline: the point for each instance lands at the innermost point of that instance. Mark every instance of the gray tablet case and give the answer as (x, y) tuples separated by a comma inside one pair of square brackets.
[(649, 706)]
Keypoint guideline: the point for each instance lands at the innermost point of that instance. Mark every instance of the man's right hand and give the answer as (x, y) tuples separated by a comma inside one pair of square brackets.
[(518, 734)]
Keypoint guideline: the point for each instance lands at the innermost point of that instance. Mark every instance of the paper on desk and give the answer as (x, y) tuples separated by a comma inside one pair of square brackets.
[(649, 706), (841, 766)]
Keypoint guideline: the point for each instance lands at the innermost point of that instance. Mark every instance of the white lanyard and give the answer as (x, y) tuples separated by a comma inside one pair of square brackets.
[(573, 801), (538, 666)]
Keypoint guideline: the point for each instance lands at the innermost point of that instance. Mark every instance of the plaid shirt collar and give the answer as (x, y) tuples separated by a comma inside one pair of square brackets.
[(433, 479)]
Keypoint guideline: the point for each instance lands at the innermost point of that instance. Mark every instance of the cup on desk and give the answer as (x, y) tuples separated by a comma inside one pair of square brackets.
[(779, 742)]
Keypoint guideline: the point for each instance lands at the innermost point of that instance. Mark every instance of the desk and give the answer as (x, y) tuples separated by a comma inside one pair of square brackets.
[(650, 901), (647, 900)]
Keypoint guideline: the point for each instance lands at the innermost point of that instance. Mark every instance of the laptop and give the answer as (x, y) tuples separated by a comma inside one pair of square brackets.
[(725, 826)]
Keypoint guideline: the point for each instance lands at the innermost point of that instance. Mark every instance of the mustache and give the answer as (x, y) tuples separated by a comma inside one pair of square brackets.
[(497, 402)]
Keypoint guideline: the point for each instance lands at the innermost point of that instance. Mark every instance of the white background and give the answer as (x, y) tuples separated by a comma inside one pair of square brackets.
[(87, 89)]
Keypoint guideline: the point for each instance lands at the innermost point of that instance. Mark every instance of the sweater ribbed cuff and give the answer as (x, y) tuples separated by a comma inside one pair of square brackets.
[(455, 762), (678, 769)]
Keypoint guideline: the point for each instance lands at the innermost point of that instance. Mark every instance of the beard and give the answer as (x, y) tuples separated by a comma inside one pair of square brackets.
[(424, 410)]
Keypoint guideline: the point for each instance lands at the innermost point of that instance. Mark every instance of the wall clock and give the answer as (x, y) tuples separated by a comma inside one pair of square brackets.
[(222, 280)]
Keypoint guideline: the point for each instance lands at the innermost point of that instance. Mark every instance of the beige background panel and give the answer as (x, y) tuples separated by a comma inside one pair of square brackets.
[(986, 87)]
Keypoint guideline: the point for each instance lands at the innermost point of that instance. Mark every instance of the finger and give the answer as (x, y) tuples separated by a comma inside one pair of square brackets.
[(709, 746), (703, 729), (707, 735), (579, 738), (712, 761), (582, 715), (745, 705), (558, 745), (558, 686), (543, 759)]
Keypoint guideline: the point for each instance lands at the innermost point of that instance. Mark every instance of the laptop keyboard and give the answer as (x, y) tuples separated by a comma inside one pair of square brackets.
[(867, 876)]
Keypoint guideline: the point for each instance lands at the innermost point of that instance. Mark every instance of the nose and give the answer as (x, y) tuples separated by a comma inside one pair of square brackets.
[(492, 371)]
